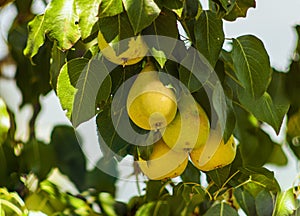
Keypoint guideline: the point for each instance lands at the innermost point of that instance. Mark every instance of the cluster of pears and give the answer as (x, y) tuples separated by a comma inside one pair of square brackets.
[(184, 126)]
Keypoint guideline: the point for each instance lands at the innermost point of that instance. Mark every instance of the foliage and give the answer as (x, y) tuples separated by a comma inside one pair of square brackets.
[(58, 50)]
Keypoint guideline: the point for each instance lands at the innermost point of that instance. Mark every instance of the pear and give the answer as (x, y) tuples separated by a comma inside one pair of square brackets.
[(190, 128), (150, 105), (215, 154), (163, 162), (137, 50)]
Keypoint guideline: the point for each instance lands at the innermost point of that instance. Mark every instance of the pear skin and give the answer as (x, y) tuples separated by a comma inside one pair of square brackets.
[(163, 162), (220, 156), (150, 105), (190, 128)]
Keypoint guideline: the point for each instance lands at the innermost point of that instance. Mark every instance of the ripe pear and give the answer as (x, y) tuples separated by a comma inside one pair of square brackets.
[(190, 128), (137, 50), (163, 162), (214, 154), (150, 105)]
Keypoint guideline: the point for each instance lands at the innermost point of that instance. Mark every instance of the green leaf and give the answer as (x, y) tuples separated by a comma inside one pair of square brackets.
[(194, 71), (107, 203), (37, 157), (252, 66), (191, 9), (58, 59), (88, 10), (285, 203), (264, 108), (4, 121), (110, 8), (245, 200), (66, 83), (292, 83), (141, 13), (191, 174), (221, 209), (239, 9), (278, 156), (146, 209), (61, 23), (94, 86), (69, 154), (36, 36), (209, 36), (264, 203), (219, 176)]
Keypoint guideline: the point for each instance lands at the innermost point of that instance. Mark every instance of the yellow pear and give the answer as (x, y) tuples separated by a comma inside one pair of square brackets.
[(150, 105), (136, 51), (214, 154), (163, 163), (190, 128)]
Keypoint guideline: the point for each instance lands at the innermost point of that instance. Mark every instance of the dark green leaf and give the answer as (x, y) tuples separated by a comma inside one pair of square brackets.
[(264, 108), (240, 9), (292, 83), (170, 4), (285, 203), (191, 174), (88, 10), (277, 156), (58, 59), (69, 154), (221, 209), (141, 13), (4, 121), (209, 36), (190, 9), (110, 8), (252, 66), (245, 200), (264, 203), (194, 70), (38, 157), (219, 176)]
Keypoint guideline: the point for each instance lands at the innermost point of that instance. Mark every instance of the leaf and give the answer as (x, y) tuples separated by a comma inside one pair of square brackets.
[(110, 8), (66, 82), (245, 200), (194, 71), (58, 59), (285, 203), (209, 36), (191, 9), (61, 23), (141, 13), (292, 83), (146, 209), (240, 9), (69, 154), (107, 203), (191, 174), (264, 109), (94, 79), (278, 156), (221, 209), (219, 176), (87, 12), (252, 66), (4, 121), (36, 36), (264, 203)]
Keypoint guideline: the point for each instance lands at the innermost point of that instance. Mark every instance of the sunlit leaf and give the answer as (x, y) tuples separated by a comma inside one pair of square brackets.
[(87, 11), (285, 203), (110, 8), (4, 121)]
